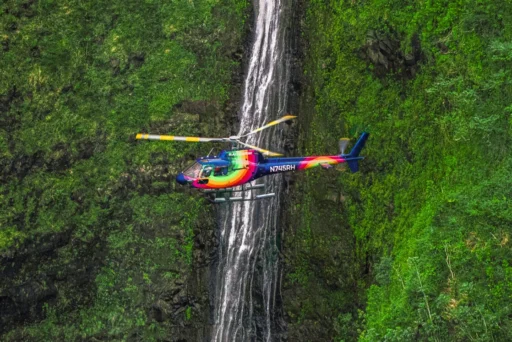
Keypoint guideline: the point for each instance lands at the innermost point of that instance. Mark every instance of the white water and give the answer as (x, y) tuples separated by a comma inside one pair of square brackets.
[(246, 296)]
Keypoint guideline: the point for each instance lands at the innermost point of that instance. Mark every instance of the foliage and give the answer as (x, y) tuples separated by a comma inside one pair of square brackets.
[(430, 210), (78, 81)]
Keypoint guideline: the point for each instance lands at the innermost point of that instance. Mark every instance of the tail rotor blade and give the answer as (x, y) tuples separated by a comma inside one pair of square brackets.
[(270, 124), (143, 136), (343, 144)]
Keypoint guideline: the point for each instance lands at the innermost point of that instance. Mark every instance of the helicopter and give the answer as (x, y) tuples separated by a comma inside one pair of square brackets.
[(232, 170)]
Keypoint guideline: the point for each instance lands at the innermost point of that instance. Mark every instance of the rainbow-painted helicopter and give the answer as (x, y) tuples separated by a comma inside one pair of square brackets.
[(231, 170)]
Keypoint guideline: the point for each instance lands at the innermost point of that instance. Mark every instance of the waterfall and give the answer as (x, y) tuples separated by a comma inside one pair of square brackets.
[(247, 302)]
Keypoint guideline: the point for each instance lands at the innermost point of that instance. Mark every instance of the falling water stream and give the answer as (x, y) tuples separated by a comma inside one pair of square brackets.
[(247, 299)]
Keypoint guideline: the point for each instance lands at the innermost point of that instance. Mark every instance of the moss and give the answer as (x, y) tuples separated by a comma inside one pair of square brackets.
[(84, 207), (436, 108)]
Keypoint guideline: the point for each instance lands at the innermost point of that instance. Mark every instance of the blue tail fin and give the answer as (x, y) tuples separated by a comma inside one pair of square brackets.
[(354, 153), (359, 145), (353, 165)]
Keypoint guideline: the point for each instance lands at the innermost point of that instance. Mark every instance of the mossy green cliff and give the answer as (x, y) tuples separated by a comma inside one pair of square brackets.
[(96, 241), (416, 246)]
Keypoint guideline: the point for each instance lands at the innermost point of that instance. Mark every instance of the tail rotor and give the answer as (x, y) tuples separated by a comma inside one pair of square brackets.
[(343, 145)]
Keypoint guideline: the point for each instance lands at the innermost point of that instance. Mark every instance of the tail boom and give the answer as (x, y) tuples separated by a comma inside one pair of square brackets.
[(277, 165)]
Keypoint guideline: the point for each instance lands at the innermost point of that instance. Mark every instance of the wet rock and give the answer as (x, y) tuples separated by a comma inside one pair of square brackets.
[(196, 107), (30, 247), (35, 274), (59, 159), (25, 302), (160, 311), (383, 51)]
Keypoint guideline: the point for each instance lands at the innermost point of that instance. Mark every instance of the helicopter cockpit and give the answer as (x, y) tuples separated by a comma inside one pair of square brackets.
[(193, 171), (202, 170)]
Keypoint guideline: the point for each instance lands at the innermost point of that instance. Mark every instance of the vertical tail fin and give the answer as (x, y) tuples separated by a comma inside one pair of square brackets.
[(354, 153), (353, 165), (359, 145)]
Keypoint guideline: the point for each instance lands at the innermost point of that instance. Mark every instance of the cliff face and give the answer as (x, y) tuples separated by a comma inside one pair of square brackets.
[(322, 272), (97, 241), (416, 245)]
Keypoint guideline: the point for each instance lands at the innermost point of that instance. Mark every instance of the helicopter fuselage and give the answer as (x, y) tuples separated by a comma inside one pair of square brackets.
[(237, 167)]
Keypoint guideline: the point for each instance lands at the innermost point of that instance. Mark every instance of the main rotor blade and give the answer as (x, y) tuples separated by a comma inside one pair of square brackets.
[(270, 124), (265, 152), (177, 138)]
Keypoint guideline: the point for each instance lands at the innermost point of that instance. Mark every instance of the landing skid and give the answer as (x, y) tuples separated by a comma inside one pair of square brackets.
[(219, 196), (241, 199)]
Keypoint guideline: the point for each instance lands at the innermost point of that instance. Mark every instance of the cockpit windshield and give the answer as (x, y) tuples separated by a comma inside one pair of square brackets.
[(193, 171), (198, 171)]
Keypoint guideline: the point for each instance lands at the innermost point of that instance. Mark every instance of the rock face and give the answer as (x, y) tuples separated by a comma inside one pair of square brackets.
[(384, 52), (63, 272), (25, 288), (96, 240)]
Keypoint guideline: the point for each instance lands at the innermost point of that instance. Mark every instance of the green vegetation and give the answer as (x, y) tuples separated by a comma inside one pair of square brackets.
[(416, 246), (96, 243), (91, 223)]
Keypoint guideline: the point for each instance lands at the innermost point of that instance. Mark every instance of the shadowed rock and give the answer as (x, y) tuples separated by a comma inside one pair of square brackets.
[(383, 51)]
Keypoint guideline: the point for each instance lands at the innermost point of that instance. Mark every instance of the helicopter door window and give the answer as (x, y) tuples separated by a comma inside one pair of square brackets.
[(207, 170), (221, 171)]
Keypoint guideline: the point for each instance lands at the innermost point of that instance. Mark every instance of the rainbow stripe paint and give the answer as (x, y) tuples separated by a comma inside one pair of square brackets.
[(310, 162), (243, 168)]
